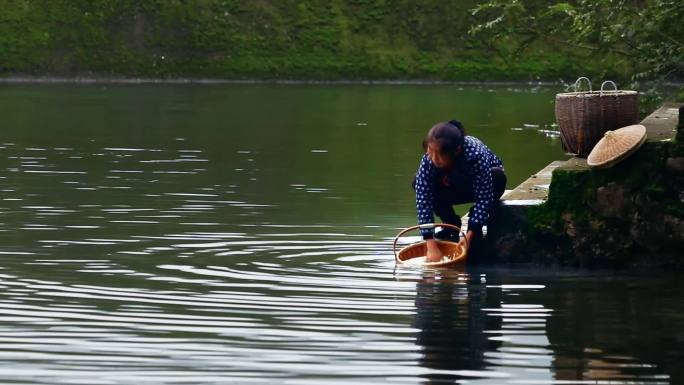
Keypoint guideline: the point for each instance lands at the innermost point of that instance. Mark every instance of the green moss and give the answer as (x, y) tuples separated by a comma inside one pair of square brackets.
[(571, 211), (680, 96), (675, 208), (679, 138)]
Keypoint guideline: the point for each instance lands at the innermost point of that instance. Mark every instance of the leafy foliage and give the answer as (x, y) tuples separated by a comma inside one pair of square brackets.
[(315, 39), (646, 37)]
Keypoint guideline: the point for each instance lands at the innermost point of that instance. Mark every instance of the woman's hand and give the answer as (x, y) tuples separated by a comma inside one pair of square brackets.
[(467, 240), (434, 254)]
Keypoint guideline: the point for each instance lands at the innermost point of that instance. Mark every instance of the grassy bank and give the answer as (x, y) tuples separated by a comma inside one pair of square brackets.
[(229, 39)]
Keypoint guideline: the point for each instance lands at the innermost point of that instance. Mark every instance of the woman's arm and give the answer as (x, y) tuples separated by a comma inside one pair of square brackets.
[(434, 254), (425, 195), (483, 191)]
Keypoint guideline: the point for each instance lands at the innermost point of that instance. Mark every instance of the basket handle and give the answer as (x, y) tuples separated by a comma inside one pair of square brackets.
[(579, 81), (424, 226), (615, 89)]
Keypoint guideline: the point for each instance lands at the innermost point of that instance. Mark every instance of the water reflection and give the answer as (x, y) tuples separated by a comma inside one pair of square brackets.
[(618, 330), (478, 332), (140, 247), (451, 321)]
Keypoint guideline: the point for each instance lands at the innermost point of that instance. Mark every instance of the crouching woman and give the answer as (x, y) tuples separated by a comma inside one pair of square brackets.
[(456, 169)]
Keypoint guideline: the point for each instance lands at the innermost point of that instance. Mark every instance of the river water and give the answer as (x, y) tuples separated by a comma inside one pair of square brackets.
[(214, 234)]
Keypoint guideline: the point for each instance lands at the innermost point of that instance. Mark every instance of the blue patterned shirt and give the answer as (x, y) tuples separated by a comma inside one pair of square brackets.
[(477, 161)]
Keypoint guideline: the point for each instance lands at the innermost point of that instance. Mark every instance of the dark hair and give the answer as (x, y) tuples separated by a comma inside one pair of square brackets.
[(448, 136)]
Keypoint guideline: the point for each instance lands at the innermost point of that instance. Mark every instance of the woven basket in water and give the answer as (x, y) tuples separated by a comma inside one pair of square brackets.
[(583, 117), (453, 253)]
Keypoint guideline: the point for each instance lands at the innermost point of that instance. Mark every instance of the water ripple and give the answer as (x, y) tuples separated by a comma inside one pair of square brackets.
[(144, 269)]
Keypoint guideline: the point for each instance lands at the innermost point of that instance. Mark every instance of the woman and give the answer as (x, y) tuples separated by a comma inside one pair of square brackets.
[(456, 169)]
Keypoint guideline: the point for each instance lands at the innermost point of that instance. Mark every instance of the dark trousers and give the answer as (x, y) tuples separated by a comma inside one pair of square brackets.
[(459, 191)]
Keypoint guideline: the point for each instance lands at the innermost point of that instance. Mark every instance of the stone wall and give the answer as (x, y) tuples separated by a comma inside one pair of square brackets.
[(631, 214)]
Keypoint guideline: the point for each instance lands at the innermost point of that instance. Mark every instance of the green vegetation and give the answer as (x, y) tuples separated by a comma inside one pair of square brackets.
[(608, 217), (641, 38), (325, 40), (574, 191)]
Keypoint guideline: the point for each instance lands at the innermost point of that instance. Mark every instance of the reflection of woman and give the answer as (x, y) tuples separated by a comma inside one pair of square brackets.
[(451, 321)]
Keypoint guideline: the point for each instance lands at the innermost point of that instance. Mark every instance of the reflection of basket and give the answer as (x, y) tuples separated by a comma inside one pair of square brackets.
[(454, 253), (583, 117)]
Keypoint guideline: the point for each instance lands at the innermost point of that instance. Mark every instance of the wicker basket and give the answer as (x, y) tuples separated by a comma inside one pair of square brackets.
[(454, 253), (583, 117)]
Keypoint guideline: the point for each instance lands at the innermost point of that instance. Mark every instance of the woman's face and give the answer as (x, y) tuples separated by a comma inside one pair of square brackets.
[(439, 159)]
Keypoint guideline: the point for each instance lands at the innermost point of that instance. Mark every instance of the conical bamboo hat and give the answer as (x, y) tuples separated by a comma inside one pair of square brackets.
[(617, 145)]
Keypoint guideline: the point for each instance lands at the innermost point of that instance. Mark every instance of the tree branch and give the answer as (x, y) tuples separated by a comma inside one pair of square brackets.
[(658, 32), (571, 43)]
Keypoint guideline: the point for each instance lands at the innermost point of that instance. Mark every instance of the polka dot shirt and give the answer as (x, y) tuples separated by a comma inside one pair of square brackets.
[(477, 161)]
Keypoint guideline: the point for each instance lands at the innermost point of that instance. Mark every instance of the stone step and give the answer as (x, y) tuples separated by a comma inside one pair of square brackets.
[(531, 192), (511, 218), (534, 190)]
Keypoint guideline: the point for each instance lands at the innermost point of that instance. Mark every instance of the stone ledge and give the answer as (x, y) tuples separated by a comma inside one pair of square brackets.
[(508, 238), (661, 125), (534, 190)]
